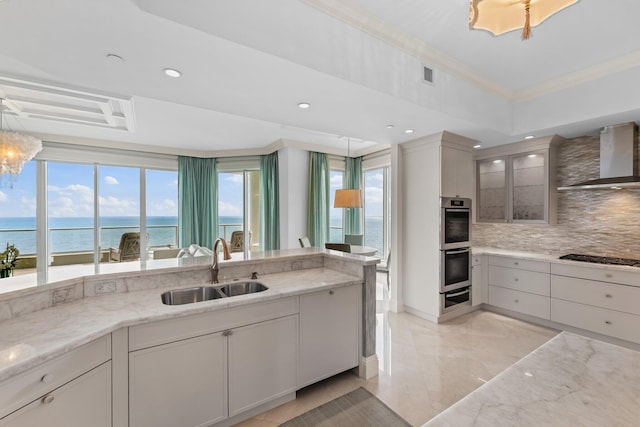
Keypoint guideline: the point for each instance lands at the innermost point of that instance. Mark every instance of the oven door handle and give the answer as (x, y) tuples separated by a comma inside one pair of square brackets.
[(457, 294), (457, 209), (456, 251)]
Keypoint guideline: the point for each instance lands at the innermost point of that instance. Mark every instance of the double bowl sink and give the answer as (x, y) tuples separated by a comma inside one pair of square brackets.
[(206, 293)]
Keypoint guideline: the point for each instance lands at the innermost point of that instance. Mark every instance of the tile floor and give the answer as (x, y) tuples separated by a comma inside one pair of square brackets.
[(424, 367)]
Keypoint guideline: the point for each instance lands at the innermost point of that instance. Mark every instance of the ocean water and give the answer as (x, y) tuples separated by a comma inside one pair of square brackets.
[(76, 234)]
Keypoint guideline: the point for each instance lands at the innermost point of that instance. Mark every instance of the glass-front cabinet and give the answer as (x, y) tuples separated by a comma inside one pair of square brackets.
[(515, 183)]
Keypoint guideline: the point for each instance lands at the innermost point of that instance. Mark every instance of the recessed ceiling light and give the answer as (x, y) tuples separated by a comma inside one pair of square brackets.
[(532, 156), (390, 126), (304, 105), (497, 161), (172, 72), (409, 131), (112, 57), (477, 146), (529, 137)]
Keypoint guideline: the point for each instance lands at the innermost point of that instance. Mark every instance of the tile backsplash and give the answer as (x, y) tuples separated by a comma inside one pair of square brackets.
[(598, 222)]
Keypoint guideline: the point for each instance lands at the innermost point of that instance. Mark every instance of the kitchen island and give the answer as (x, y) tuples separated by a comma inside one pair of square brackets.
[(570, 380)]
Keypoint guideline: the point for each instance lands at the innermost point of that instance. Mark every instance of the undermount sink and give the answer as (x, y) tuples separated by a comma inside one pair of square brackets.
[(190, 295), (242, 288), (206, 293)]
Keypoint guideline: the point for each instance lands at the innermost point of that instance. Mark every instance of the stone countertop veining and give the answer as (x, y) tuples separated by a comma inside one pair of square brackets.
[(32, 339), (569, 381)]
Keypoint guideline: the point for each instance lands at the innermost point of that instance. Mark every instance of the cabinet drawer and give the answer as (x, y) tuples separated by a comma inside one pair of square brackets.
[(595, 319), (165, 331), (522, 302), (600, 294), (522, 264), (30, 385), (520, 280), (601, 274)]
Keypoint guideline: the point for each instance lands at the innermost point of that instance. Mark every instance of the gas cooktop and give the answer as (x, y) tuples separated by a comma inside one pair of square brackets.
[(602, 259)]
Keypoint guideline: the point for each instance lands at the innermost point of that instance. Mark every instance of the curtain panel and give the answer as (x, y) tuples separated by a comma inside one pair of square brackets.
[(269, 203), (352, 180), (318, 204), (197, 195)]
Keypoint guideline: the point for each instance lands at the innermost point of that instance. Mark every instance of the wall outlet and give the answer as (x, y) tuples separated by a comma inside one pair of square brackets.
[(105, 288), (61, 296)]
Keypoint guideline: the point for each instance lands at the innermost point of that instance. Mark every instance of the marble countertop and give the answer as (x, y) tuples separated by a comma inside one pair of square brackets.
[(477, 250), (34, 338), (569, 381)]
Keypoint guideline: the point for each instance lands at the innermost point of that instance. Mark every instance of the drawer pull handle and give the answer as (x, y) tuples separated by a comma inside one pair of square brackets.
[(516, 279), (608, 295), (517, 301), (48, 399), (516, 263), (331, 292), (608, 275), (608, 322), (46, 378)]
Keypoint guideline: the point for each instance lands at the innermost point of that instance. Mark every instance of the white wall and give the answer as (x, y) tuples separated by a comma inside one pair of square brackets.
[(293, 165)]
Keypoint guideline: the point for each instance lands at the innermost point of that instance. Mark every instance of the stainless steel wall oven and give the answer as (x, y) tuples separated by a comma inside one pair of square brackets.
[(455, 253)]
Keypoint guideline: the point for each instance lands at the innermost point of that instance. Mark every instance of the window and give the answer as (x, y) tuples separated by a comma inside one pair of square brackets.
[(377, 204), (239, 203), (85, 207), (336, 215)]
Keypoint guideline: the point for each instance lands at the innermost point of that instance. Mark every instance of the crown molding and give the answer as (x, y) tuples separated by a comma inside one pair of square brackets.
[(604, 69)]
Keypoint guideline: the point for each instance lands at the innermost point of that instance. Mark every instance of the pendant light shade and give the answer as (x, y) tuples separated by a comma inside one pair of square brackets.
[(350, 198), (501, 16), (15, 149)]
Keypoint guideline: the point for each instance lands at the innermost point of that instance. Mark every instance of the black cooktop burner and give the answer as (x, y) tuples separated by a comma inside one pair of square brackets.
[(602, 259)]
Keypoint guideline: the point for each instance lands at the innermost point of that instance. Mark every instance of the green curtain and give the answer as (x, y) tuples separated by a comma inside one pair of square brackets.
[(269, 203), (197, 195), (318, 205), (352, 180)]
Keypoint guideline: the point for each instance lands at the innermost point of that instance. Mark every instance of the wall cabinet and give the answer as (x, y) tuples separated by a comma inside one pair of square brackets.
[(202, 369), (456, 177), (329, 333), (71, 390), (516, 182)]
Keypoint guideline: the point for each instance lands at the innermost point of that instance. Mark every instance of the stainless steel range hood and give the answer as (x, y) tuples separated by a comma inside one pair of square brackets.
[(618, 160)]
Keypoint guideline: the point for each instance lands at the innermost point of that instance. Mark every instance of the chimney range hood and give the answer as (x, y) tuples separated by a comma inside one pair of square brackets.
[(618, 160)]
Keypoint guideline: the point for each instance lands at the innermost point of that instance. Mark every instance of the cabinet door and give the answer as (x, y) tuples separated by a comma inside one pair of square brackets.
[(492, 190), (262, 363), (329, 333), (85, 401), (179, 384), (456, 173), (529, 187), (476, 284)]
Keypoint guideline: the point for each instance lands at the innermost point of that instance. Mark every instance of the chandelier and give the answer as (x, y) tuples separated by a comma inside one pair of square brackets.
[(15, 149), (501, 16)]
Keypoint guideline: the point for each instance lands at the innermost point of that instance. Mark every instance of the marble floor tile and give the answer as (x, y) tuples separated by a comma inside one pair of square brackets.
[(425, 367)]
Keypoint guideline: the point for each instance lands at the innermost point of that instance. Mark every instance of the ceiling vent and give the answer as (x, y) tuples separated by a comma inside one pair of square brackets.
[(427, 75)]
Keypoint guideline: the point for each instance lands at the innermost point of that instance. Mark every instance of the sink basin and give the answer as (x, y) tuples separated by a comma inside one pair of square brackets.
[(241, 288), (190, 295)]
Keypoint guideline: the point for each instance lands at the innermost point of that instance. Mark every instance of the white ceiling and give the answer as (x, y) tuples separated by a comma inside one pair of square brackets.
[(246, 65)]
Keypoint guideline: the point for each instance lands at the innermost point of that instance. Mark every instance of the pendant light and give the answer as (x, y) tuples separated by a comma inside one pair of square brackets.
[(15, 149), (348, 197)]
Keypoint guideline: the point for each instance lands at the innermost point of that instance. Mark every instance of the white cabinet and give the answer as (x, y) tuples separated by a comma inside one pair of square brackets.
[(199, 370), (329, 333), (456, 174), (179, 384), (516, 182), (262, 363), (85, 401), (477, 280), (608, 306), (48, 392), (519, 285)]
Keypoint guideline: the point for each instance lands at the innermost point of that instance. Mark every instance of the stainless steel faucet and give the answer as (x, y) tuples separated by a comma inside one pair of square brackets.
[(214, 266)]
